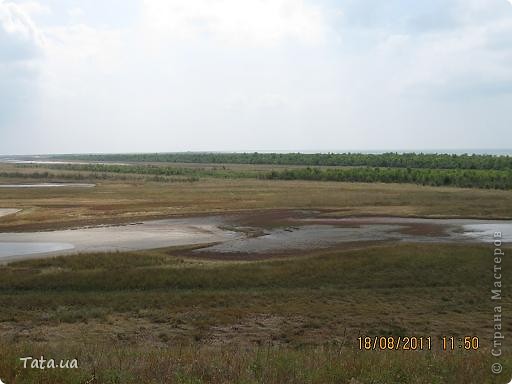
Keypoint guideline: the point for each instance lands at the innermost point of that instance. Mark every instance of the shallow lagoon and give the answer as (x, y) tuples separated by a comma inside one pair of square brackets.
[(311, 233)]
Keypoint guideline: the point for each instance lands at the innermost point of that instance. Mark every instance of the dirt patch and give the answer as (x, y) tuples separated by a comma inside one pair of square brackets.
[(258, 329)]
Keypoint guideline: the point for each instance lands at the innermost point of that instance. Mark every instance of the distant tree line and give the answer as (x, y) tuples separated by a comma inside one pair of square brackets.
[(135, 169), (82, 176), (466, 178), (388, 160)]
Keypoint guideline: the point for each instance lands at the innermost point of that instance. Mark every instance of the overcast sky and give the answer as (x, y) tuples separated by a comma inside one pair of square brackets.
[(228, 75)]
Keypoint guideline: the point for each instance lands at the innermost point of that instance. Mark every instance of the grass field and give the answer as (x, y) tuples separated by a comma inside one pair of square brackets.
[(288, 320), (162, 316)]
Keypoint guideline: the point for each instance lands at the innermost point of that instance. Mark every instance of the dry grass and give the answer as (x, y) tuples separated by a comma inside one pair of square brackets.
[(192, 365), (115, 201)]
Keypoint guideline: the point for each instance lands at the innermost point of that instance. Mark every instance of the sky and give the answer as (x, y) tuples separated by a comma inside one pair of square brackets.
[(85, 76)]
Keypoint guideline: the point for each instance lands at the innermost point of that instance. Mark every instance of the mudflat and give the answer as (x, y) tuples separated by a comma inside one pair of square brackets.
[(220, 235)]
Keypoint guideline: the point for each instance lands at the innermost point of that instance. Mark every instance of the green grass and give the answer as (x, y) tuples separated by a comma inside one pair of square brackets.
[(412, 266)]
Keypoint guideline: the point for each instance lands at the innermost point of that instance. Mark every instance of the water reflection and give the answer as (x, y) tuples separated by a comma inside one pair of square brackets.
[(28, 248)]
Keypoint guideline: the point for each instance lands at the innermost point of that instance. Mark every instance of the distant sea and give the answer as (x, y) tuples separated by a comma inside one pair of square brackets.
[(476, 151)]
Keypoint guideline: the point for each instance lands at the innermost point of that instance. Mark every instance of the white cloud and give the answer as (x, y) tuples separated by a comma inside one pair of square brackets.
[(78, 44), (21, 51), (34, 8), (470, 59), (258, 22), (76, 13), (19, 37), (256, 74)]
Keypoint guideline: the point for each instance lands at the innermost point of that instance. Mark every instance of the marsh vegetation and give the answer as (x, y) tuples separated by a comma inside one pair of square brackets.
[(160, 314), (291, 317)]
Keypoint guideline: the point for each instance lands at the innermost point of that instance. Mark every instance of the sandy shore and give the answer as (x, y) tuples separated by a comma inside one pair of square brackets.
[(8, 211), (135, 236)]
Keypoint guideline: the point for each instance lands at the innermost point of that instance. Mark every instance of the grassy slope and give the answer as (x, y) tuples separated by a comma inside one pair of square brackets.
[(252, 322), (142, 316)]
